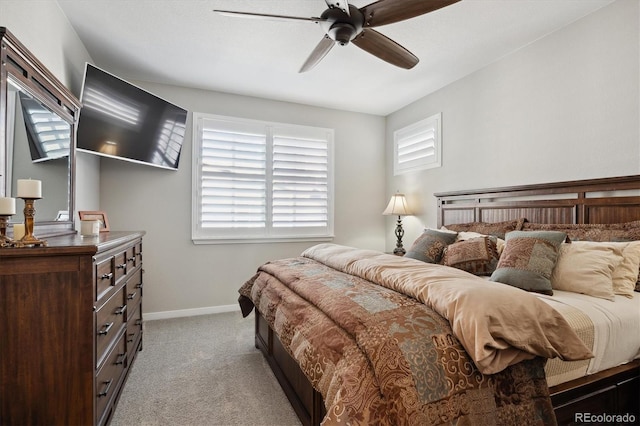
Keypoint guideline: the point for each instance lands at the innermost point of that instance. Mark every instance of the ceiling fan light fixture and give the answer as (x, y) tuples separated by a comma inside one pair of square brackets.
[(342, 32)]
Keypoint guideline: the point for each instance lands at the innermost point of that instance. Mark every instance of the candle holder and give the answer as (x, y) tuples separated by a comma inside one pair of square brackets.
[(29, 239), (4, 240)]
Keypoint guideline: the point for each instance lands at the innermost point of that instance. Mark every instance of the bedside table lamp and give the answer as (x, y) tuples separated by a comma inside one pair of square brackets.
[(398, 207)]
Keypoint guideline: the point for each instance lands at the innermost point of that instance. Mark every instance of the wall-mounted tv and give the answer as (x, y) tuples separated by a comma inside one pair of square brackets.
[(121, 120)]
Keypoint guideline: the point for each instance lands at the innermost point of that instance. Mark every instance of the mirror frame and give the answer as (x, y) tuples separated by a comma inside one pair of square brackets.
[(18, 63)]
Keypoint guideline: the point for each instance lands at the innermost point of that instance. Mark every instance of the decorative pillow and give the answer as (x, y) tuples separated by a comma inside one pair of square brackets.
[(587, 267), (464, 236), (528, 260), (498, 229), (429, 246), (628, 231), (626, 275), (478, 256)]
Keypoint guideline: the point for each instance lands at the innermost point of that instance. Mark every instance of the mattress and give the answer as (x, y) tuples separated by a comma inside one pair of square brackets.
[(615, 336)]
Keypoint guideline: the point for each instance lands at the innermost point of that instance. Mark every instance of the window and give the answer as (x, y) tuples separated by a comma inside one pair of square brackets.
[(418, 146), (259, 181)]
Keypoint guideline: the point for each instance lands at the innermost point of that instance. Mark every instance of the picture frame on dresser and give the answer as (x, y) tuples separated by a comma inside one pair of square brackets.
[(96, 215)]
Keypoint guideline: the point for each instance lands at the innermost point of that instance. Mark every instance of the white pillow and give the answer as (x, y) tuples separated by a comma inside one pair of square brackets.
[(587, 267), (626, 273)]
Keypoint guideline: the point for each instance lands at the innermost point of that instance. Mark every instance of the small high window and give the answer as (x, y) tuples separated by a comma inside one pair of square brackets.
[(418, 146)]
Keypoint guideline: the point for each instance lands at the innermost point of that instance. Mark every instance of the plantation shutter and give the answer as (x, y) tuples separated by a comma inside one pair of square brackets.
[(258, 180), (233, 176), (300, 179), (418, 146)]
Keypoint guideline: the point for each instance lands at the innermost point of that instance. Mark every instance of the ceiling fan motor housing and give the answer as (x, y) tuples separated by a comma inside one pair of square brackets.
[(342, 27)]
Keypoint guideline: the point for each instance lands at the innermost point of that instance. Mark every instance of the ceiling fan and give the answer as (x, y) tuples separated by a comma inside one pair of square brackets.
[(344, 23)]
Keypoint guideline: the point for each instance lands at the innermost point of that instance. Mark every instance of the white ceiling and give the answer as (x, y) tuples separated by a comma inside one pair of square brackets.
[(184, 43)]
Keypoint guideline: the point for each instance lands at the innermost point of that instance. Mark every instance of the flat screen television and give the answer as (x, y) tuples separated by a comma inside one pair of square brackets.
[(120, 120)]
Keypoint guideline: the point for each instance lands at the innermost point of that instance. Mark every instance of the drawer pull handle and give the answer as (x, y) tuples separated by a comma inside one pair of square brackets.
[(131, 259), (105, 329), (139, 285), (121, 310), (139, 322), (120, 359), (132, 295), (105, 391), (132, 337), (107, 276), (121, 266)]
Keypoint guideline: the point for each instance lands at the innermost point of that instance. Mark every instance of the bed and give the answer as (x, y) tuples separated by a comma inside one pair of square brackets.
[(357, 336)]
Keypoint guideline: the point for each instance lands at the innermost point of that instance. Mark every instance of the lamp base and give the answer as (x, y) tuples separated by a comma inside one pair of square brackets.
[(399, 251)]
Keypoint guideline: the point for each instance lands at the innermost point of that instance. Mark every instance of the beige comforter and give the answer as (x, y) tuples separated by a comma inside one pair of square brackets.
[(498, 325)]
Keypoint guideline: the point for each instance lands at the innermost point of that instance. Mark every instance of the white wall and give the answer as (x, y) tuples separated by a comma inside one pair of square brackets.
[(42, 27), (566, 107), (181, 275)]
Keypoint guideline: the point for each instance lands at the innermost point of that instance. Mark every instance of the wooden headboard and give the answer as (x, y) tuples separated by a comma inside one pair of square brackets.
[(606, 200)]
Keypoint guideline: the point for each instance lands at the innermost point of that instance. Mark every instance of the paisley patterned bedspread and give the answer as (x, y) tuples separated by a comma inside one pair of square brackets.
[(379, 356)]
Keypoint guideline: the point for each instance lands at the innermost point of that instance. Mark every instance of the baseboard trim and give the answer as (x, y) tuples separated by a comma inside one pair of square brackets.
[(152, 316)]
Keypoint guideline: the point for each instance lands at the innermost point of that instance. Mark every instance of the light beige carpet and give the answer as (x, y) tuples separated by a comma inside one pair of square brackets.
[(202, 370)]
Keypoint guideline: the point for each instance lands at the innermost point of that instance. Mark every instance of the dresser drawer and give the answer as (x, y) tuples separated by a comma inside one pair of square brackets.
[(131, 258), (134, 332), (134, 291), (137, 253), (105, 279), (120, 265), (109, 377), (110, 319)]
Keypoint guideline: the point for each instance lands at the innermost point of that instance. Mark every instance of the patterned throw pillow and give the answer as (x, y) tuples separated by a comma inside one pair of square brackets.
[(497, 229), (478, 256), (429, 246), (628, 231), (528, 260)]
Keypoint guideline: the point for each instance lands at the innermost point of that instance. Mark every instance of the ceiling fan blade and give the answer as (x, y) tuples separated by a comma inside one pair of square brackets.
[(384, 48), (318, 53), (384, 12), (265, 16), (339, 4)]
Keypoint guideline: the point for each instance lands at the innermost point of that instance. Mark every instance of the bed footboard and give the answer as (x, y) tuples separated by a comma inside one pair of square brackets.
[(613, 391), (305, 400)]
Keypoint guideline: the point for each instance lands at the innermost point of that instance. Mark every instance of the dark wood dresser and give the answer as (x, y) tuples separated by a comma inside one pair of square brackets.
[(70, 327)]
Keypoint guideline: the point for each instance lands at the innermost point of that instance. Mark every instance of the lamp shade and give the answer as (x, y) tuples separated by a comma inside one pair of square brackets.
[(397, 206)]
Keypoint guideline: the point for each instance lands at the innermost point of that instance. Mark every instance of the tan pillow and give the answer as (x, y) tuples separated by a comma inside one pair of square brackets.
[(587, 267), (626, 273)]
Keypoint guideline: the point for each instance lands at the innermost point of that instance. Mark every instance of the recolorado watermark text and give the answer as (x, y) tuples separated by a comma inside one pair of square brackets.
[(627, 418)]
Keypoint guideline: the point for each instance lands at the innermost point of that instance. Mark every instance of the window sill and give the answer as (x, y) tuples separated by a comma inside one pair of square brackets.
[(262, 240)]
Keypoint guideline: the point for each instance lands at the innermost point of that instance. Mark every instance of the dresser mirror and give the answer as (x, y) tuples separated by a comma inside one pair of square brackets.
[(38, 137)]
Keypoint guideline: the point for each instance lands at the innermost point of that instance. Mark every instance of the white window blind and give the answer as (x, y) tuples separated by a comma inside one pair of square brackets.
[(418, 146), (260, 181)]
